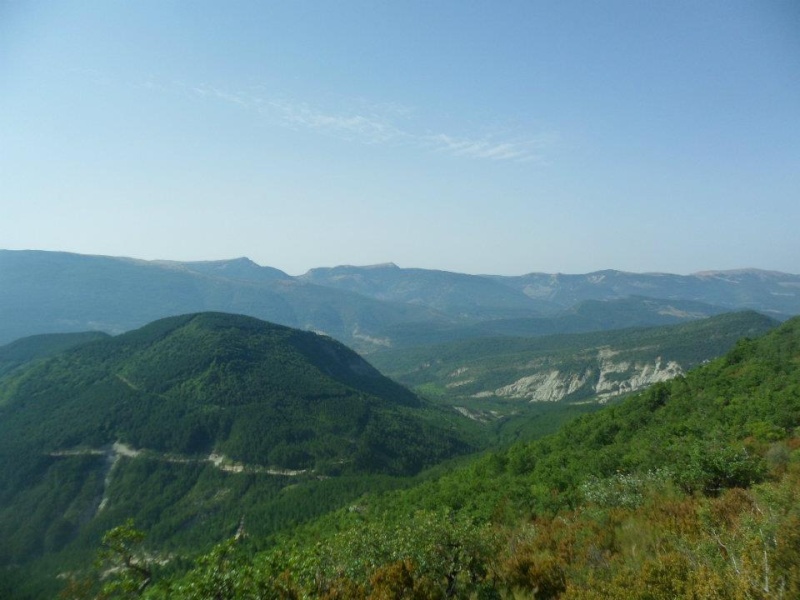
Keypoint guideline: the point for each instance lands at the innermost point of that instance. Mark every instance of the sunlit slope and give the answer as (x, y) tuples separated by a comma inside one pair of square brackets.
[(210, 402), (688, 489), (576, 367), (710, 428)]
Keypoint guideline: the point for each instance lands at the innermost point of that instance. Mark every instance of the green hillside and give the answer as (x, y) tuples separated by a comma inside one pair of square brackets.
[(36, 347), (750, 397), (576, 366), (687, 490), (192, 423)]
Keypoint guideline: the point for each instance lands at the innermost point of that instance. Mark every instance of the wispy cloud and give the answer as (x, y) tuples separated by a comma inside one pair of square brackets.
[(522, 150), (366, 128), (238, 98), (379, 124)]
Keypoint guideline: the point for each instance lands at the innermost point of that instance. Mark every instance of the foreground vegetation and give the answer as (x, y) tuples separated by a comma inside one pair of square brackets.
[(688, 490)]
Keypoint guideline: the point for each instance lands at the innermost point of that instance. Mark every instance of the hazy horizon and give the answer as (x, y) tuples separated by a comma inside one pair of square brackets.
[(402, 267), (478, 138)]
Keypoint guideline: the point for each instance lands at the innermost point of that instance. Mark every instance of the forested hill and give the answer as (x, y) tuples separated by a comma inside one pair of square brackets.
[(37, 347), (687, 490), (162, 423), (255, 391), (710, 429)]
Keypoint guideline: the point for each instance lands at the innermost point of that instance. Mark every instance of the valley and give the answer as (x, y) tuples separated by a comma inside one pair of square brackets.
[(506, 381), (353, 300), (687, 490), (467, 412)]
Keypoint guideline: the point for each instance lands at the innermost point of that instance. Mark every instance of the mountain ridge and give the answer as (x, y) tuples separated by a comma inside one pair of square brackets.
[(367, 308)]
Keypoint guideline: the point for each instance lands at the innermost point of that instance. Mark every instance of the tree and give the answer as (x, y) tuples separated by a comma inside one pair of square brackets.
[(123, 564)]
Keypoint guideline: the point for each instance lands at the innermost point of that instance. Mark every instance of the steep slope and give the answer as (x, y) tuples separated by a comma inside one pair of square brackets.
[(687, 490), (88, 434), (574, 367), (653, 497)]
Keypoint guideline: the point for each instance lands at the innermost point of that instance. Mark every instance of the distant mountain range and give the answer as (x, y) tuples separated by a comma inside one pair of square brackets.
[(475, 295), (368, 308)]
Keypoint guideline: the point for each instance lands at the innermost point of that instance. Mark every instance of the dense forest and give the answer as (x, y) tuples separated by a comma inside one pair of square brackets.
[(689, 489), (192, 424)]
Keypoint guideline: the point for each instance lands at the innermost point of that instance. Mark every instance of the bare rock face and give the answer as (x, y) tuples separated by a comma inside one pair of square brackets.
[(606, 379), (551, 386), (637, 376)]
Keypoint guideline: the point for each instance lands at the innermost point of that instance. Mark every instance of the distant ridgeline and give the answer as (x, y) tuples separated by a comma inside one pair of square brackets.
[(192, 423), (367, 308)]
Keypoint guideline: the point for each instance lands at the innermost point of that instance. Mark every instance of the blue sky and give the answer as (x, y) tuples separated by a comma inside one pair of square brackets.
[(480, 137)]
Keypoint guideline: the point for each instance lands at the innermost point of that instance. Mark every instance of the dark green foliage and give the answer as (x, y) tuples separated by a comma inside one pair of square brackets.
[(192, 384), (274, 406), (685, 490), (428, 554), (710, 467), (644, 495), (36, 347), (129, 569), (705, 427)]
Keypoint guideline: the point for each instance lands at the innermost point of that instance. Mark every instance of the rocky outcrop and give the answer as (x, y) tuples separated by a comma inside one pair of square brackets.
[(633, 377), (544, 387), (605, 379)]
